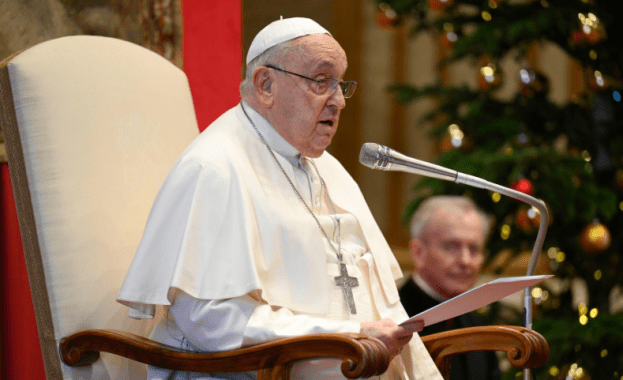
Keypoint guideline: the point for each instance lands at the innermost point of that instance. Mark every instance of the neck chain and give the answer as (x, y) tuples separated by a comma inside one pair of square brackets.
[(344, 280), (339, 232)]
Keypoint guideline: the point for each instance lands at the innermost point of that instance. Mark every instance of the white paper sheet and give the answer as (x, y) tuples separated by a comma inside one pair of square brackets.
[(476, 298)]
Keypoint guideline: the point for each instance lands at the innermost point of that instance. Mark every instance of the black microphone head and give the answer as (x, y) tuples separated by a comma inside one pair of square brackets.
[(369, 154)]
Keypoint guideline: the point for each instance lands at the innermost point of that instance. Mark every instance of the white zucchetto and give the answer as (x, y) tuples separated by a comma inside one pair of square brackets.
[(280, 31)]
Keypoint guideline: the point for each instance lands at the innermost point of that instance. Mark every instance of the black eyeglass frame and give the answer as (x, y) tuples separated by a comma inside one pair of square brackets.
[(345, 86)]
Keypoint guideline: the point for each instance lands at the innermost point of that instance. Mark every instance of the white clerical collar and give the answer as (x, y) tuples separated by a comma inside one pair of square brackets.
[(273, 138), (419, 281)]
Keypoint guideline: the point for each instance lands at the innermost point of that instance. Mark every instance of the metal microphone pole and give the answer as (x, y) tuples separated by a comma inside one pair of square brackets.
[(538, 244)]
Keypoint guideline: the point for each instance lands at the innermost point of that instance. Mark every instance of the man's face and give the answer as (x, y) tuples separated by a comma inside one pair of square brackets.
[(449, 259), (305, 119)]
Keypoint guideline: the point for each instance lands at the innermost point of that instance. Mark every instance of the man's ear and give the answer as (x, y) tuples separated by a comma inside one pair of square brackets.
[(264, 86), (418, 252)]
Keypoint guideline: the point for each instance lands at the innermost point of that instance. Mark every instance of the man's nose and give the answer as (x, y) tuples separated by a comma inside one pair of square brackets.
[(337, 98), (465, 256)]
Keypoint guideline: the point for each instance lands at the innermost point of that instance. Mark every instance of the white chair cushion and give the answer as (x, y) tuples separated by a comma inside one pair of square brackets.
[(101, 122)]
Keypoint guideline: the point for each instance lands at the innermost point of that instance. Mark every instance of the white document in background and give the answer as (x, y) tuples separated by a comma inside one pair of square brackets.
[(476, 298)]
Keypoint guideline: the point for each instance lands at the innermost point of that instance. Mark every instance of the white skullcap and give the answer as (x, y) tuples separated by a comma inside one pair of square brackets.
[(280, 31)]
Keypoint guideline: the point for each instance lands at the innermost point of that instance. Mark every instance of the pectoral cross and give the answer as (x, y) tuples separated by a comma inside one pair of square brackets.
[(347, 283)]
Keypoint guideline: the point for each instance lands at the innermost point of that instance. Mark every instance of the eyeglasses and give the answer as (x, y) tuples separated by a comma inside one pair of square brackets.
[(323, 85)]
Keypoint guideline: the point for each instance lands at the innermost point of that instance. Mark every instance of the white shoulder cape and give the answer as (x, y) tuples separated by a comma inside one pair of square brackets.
[(227, 222)]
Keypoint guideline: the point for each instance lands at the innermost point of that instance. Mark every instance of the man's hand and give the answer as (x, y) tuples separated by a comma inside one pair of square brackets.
[(393, 336)]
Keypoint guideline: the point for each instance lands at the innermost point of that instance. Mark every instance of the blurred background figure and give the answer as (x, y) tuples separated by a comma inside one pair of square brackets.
[(448, 234)]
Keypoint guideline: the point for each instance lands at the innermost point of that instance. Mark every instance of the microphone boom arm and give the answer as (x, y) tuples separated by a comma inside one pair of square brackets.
[(383, 158)]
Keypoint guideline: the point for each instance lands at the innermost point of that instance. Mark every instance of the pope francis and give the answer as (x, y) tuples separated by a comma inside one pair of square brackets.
[(258, 233)]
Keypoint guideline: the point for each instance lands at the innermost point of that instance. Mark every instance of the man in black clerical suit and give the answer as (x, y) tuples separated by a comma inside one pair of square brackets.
[(448, 234)]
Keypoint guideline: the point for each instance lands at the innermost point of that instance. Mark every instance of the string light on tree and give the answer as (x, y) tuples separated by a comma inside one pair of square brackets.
[(386, 17), (489, 77), (533, 83), (456, 135), (455, 138), (591, 30), (521, 139), (505, 232), (448, 35), (535, 216), (495, 197), (598, 81)]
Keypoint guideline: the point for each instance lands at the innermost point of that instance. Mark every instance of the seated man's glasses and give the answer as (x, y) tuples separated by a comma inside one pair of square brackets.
[(324, 85)]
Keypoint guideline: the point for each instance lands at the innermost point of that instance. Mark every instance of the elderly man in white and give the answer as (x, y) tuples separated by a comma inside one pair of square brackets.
[(258, 233)]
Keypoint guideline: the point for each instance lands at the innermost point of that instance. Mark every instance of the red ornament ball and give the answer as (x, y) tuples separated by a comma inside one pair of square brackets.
[(386, 17), (439, 4), (595, 238), (524, 186), (577, 36), (522, 220)]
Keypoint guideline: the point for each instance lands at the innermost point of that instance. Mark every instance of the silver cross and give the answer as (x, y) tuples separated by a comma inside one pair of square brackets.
[(347, 283)]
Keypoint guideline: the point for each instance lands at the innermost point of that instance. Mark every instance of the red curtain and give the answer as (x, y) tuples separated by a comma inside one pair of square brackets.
[(213, 55), (212, 62), (21, 356)]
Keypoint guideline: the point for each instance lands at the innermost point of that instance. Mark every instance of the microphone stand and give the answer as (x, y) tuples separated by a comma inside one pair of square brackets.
[(383, 158), (538, 244)]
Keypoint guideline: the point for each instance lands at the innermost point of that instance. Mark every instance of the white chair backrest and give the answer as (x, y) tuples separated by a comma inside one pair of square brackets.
[(96, 126)]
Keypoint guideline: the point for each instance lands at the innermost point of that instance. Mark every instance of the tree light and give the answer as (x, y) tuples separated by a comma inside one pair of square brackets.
[(495, 197), (505, 232), (582, 309), (551, 253), (593, 312), (583, 320)]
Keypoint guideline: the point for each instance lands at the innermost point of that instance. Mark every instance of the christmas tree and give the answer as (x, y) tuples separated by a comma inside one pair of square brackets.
[(568, 155)]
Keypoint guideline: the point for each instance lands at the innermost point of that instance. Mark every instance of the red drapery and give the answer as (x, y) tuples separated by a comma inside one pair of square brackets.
[(212, 62)]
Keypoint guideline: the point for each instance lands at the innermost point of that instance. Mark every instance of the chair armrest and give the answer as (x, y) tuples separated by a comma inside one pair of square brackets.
[(524, 348), (362, 356)]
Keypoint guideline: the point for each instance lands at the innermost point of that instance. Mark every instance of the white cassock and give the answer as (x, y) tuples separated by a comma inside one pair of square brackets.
[(237, 259)]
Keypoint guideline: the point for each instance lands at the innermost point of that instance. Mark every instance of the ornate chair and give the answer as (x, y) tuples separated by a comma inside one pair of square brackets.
[(92, 126)]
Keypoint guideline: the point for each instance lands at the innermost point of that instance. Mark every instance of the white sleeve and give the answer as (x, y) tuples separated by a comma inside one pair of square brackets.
[(219, 325)]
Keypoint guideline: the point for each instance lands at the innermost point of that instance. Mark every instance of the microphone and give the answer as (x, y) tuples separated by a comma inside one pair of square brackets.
[(380, 157)]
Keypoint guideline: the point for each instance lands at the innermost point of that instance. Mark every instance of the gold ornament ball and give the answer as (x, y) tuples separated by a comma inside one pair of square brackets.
[(595, 238)]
